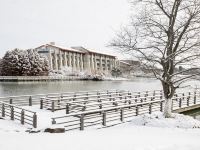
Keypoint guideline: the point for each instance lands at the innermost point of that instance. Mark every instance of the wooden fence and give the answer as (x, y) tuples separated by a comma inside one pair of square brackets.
[(23, 100), (17, 113), (124, 111), (30, 100), (91, 98)]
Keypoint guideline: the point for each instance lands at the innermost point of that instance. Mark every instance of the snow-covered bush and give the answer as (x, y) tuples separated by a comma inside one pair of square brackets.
[(24, 62), (65, 71)]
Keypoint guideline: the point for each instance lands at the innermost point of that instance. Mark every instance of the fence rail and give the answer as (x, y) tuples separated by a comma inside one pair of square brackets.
[(29, 100), (115, 114), (17, 113), (79, 100)]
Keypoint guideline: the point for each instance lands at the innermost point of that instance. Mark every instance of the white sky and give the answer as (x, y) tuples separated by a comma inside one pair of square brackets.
[(89, 23)]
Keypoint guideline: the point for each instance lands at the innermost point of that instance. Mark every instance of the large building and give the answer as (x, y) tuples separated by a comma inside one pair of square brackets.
[(77, 58)]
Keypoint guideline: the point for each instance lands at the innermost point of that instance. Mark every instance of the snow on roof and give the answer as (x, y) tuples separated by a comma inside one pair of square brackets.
[(91, 51), (61, 48), (78, 49)]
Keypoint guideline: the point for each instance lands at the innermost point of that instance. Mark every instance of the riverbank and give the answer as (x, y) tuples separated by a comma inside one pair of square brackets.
[(38, 78), (54, 78)]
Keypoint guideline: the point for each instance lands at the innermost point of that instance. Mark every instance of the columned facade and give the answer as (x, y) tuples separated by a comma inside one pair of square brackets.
[(79, 59)]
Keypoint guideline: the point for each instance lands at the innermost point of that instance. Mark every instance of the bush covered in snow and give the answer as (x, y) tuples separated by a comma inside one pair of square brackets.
[(24, 63), (158, 120)]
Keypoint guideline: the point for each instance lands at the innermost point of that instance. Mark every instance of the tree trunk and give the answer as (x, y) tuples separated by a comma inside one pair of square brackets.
[(168, 108)]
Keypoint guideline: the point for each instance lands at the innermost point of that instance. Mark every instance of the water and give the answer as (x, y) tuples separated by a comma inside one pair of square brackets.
[(25, 88)]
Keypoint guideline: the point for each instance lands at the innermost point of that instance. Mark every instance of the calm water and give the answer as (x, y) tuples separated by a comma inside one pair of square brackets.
[(24, 88)]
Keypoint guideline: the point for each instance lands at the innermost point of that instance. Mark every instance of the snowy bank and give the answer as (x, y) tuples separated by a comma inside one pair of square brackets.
[(147, 132), (100, 76), (158, 120)]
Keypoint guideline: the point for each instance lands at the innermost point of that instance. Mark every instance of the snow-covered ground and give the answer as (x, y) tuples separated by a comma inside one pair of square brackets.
[(146, 132)]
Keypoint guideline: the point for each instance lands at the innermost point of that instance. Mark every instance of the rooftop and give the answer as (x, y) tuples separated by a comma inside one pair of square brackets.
[(77, 49)]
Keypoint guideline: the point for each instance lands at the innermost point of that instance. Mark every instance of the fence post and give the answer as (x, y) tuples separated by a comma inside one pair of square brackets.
[(41, 103), (137, 110), (12, 113), (52, 106), (129, 102), (3, 110), (67, 108), (74, 97), (82, 122), (22, 116), (34, 120), (30, 101), (161, 106), (147, 94), (53, 121), (195, 97), (11, 101), (122, 115), (150, 108), (154, 93), (180, 102), (188, 98), (104, 119)]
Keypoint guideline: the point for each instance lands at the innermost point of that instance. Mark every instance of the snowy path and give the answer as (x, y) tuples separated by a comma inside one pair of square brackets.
[(157, 134), (117, 138)]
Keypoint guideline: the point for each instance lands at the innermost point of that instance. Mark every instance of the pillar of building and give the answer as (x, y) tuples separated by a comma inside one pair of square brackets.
[(70, 60), (81, 62), (78, 61), (110, 64), (106, 64), (65, 59), (73, 62), (92, 62), (50, 61), (101, 66), (87, 62), (55, 61), (95, 62), (60, 60)]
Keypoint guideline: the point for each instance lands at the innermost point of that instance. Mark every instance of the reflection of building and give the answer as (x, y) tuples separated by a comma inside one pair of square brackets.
[(78, 58)]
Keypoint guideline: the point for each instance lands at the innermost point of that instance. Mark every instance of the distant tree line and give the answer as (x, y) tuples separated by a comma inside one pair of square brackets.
[(24, 63)]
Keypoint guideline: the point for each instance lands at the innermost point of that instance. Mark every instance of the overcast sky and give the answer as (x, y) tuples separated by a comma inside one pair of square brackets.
[(89, 23)]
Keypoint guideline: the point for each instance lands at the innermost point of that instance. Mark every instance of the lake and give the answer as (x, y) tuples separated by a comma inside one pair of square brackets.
[(24, 88)]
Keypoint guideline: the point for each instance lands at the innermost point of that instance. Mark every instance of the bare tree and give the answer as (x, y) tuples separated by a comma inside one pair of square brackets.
[(164, 34)]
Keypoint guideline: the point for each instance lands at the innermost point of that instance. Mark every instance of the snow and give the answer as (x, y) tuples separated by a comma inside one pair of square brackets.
[(158, 120), (146, 132), (68, 71)]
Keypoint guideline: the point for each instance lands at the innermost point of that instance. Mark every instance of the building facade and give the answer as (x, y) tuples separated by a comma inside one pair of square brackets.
[(77, 58)]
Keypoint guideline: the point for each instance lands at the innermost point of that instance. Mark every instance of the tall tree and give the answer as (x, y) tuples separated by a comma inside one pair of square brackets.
[(164, 34)]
